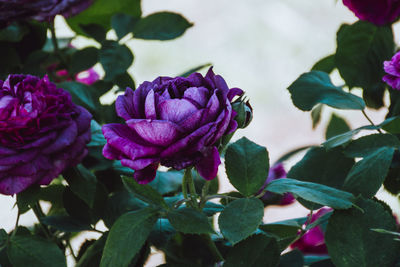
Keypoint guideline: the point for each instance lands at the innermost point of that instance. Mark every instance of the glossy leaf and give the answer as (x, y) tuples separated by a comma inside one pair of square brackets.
[(240, 218), (316, 87), (127, 236), (115, 59), (247, 166), (189, 221), (366, 145), (336, 126)]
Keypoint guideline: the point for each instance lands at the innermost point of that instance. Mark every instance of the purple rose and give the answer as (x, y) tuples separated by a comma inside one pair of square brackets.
[(173, 121), (379, 12), (392, 68), (313, 241), (42, 10), (41, 132), (276, 172)]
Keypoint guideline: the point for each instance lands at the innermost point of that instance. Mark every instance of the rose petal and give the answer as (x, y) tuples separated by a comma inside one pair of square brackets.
[(123, 139), (208, 166), (19, 158), (124, 105), (15, 184), (212, 109), (155, 132), (197, 94), (83, 119), (234, 92), (150, 106), (147, 174), (192, 122), (175, 110), (64, 139), (139, 163)]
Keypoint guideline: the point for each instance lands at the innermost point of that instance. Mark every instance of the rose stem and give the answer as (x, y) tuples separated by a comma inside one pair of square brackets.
[(39, 214), (370, 121), (204, 193), (184, 186), (192, 189), (16, 223)]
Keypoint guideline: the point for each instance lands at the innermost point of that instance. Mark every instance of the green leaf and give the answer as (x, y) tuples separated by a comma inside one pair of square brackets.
[(316, 87), (123, 24), (65, 223), (292, 258), (97, 135), (366, 145), (361, 49), (327, 64), (368, 174), (391, 125), (211, 208), (161, 26), (316, 193), (257, 250), (167, 182), (115, 59), (336, 126), (34, 251), (316, 115), (124, 80), (351, 242), (329, 168), (28, 197), (284, 231), (241, 218), (195, 69), (92, 255), (346, 137), (83, 59), (101, 12), (189, 221), (247, 166), (127, 236), (292, 153), (144, 192), (95, 31), (81, 94), (13, 32), (82, 182)]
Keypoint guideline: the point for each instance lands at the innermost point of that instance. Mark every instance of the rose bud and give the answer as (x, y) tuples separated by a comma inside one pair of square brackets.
[(313, 241), (392, 68), (276, 172), (41, 10), (379, 12), (244, 113), (41, 132), (175, 122)]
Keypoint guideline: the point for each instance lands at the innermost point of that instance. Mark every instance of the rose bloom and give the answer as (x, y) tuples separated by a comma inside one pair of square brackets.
[(41, 132), (87, 77), (276, 172), (392, 68), (173, 121), (379, 12), (313, 242), (41, 10)]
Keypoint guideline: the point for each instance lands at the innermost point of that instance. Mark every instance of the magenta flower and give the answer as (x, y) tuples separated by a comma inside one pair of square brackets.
[(173, 121), (313, 241), (276, 172), (41, 132), (88, 77), (392, 68), (379, 12), (42, 10)]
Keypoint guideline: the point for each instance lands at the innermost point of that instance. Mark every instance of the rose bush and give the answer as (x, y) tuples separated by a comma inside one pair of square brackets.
[(173, 121), (42, 10), (378, 12), (276, 172), (41, 132)]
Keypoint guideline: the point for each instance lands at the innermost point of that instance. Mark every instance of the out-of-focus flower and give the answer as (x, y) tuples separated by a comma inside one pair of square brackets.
[(173, 121), (88, 77), (41, 10), (379, 12), (313, 241), (41, 132), (392, 68), (276, 172)]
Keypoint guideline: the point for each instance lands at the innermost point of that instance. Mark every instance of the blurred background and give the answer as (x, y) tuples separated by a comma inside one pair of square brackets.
[(261, 46)]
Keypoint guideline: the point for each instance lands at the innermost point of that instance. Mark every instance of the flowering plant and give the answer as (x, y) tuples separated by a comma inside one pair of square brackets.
[(86, 168)]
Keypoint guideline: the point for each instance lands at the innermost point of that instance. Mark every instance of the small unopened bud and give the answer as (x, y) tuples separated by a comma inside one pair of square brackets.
[(244, 112)]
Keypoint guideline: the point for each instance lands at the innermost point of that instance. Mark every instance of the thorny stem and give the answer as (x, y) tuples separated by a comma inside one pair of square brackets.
[(192, 188), (16, 223), (370, 121), (184, 186), (204, 193), (220, 196)]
